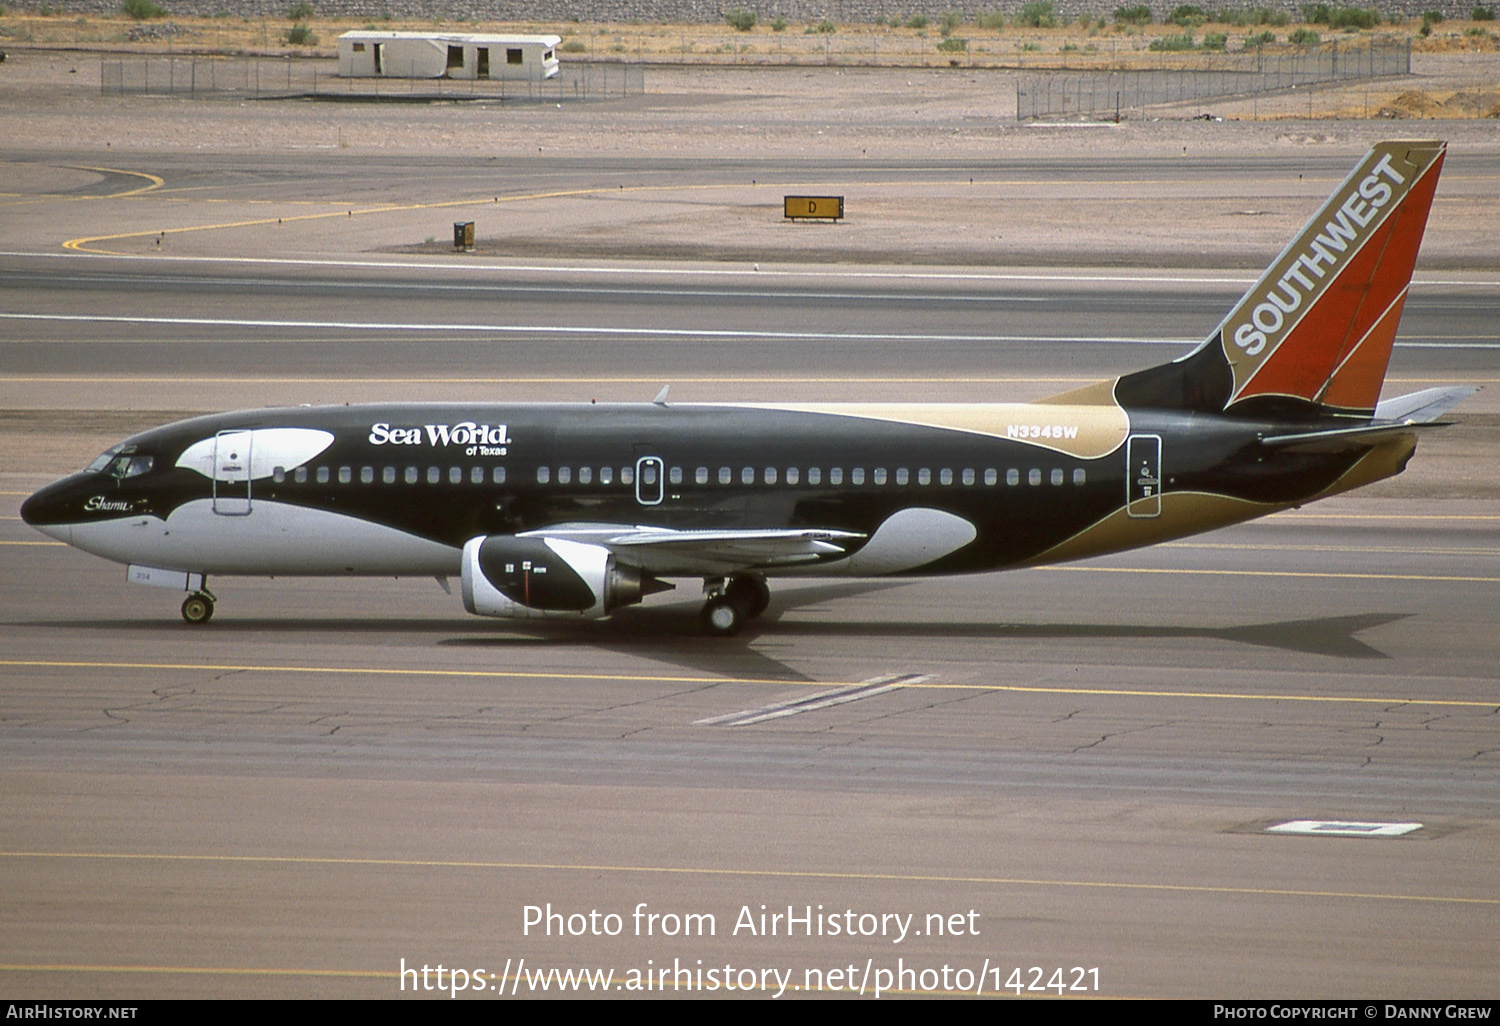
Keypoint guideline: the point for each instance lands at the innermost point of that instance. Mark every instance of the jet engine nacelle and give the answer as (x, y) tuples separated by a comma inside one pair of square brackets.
[(538, 577)]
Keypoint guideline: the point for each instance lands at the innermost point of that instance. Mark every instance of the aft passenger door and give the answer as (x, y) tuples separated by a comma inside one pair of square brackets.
[(1143, 476), (232, 473)]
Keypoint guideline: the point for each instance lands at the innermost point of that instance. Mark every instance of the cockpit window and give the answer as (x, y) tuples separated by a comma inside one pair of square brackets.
[(103, 460), (125, 465), (120, 461)]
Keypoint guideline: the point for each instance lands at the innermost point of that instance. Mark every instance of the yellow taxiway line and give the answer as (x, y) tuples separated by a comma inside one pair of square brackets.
[(472, 674), (774, 874)]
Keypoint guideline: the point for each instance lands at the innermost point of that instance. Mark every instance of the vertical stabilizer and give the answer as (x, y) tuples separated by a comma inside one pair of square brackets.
[(1313, 336), (1320, 323)]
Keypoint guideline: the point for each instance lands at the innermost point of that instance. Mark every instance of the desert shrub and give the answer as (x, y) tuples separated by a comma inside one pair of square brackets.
[(301, 35), (1432, 17), (1038, 14), (1140, 14), (740, 19), (1353, 17), (1188, 16), (990, 20), (573, 46), (1260, 39), (1215, 41), (917, 21), (1304, 37), (1173, 44), (1243, 16), (1482, 14), (142, 10), (779, 25), (950, 21), (826, 27), (299, 11), (953, 44)]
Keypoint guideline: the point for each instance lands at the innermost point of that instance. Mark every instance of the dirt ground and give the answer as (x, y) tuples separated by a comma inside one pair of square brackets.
[(50, 104)]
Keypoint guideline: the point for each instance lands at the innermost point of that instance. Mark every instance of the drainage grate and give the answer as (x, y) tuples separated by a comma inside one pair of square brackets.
[(1343, 828)]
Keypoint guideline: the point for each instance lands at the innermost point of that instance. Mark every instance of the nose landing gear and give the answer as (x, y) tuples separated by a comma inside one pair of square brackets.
[(732, 602), (198, 607)]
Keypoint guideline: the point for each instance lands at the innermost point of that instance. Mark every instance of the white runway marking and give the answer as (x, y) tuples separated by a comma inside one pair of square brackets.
[(562, 329), (469, 266), (811, 703)]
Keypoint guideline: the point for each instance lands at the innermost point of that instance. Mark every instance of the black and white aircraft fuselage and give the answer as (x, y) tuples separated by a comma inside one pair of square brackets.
[(576, 510)]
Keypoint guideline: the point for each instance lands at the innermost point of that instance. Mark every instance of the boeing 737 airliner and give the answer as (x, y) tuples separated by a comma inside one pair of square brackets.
[(577, 510)]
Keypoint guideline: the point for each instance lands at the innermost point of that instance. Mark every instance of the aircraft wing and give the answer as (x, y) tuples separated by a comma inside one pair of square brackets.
[(670, 552)]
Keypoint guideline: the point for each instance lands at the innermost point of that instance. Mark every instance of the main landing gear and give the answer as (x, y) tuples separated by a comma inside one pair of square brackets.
[(732, 602), (198, 607)]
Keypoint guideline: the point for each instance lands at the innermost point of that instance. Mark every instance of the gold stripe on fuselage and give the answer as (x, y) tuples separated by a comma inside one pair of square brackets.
[(1083, 431)]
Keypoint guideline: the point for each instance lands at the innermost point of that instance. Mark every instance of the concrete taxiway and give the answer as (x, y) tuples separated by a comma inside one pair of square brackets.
[(1041, 774)]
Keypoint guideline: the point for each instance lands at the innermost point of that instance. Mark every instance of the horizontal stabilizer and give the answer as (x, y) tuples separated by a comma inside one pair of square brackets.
[(1425, 406), (1345, 439)]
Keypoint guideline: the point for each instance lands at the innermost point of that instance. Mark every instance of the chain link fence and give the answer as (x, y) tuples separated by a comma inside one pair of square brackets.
[(271, 78), (1120, 93)]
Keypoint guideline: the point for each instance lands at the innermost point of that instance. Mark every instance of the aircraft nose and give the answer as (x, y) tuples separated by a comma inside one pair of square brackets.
[(42, 511)]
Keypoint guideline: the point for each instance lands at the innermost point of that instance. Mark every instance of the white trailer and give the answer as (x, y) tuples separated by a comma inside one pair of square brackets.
[(467, 55)]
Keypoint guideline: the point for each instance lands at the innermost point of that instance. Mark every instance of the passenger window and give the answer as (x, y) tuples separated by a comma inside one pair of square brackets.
[(902, 476), (675, 475), (346, 474), (924, 476), (300, 475), (770, 475), (627, 475), (322, 475), (725, 475), (857, 476), (366, 475), (792, 475), (388, 475), (278, 474), (700, 476), (968, 475), (945, 476), (497, 475), (1012, 476), (476, 475), (879, 475), (747, 476), (543, 475), (990, 477), (1034, 476), (433, 475), (564, 475), (585, 475), (1057, 476), (606, 475), (411, 475), (1079, 476), (455, 475), (836, 476), (814, 475)]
